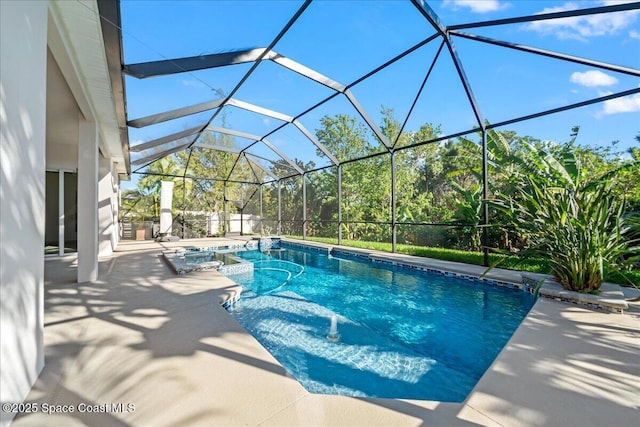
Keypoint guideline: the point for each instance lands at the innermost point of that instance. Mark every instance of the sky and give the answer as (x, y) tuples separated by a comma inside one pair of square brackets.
[(344, 40)]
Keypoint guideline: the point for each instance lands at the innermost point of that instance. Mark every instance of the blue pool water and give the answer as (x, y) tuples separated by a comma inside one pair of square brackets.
[(402, 333)]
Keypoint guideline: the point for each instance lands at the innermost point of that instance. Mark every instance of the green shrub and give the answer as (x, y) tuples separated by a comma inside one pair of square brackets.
[(575, 222)]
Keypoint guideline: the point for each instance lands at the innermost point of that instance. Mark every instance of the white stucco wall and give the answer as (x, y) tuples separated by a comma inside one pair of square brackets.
[(108, 231), (166, 203), (62, 122), (88, 143), (23, 59)]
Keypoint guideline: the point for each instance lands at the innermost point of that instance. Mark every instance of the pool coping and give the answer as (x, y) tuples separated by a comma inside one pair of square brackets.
[(209, 371), (610, 299), (175, 259)]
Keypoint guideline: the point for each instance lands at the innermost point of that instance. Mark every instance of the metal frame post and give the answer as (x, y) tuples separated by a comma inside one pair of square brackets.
[(261, 214), (393, 202), (485, 196), (184, 205), (242, 221), (224, 209), (339, 204), (243, 205), (279, 207), (304, 206)]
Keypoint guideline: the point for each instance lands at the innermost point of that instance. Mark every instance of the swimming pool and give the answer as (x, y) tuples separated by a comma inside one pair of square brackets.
[(400, 333)]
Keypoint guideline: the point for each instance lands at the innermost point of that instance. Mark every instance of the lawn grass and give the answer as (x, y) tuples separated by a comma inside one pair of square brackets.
[(511, 262)]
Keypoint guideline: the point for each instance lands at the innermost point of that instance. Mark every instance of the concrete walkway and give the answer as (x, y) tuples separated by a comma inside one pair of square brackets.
[(162, 343)]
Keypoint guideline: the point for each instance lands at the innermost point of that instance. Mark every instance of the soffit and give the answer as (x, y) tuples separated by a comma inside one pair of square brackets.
[(86, 70)]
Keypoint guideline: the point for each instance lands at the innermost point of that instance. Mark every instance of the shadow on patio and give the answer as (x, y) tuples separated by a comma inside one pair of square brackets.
[(145, 336)]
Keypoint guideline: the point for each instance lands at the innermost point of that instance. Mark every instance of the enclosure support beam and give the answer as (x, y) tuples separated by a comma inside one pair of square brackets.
[(304, 206), (415, 100), (164, 140), (279, 207), (550, 54), (393, 202), (165, 67), (174, 114), (261, 220), (548, 16), (184, 203), (485, 196), (339, 204), (157, 156), (442, 29), (224, 209), (363, 113), (241, 221), (565, 108), (259, 59)]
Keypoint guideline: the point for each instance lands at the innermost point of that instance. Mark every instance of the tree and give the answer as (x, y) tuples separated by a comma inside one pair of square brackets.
[(164, 169), (346, 138)]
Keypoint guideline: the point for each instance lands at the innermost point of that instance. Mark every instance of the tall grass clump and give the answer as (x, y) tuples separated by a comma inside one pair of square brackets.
[(576, 222)]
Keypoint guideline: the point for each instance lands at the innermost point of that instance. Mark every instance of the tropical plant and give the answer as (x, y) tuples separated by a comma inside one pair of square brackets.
[(468, 214), (164, 169), (574, 220)]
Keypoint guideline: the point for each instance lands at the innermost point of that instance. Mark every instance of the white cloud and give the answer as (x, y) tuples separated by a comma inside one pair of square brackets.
[(627, 104), (583, 27), (476, 6), (613, 2), (634, 34), (593, 78)]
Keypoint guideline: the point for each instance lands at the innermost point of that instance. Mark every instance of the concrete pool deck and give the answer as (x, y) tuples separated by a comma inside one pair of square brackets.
[(145, 336)]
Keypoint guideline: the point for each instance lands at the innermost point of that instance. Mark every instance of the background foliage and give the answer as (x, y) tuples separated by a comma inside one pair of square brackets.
[(438, 192)]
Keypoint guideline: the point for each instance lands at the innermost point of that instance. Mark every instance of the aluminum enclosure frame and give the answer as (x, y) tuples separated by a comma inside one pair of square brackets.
[(442, 33)]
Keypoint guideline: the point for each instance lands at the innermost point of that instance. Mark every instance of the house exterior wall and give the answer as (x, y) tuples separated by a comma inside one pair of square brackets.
[(23, 67), (30, 75), (62, 119), (108, 201)]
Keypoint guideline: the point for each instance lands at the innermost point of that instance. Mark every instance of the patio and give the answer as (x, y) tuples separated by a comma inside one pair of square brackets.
[(145, 336), (95, 93)]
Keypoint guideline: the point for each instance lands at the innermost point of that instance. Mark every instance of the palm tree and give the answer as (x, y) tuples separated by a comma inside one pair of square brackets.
[(164, 169)]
